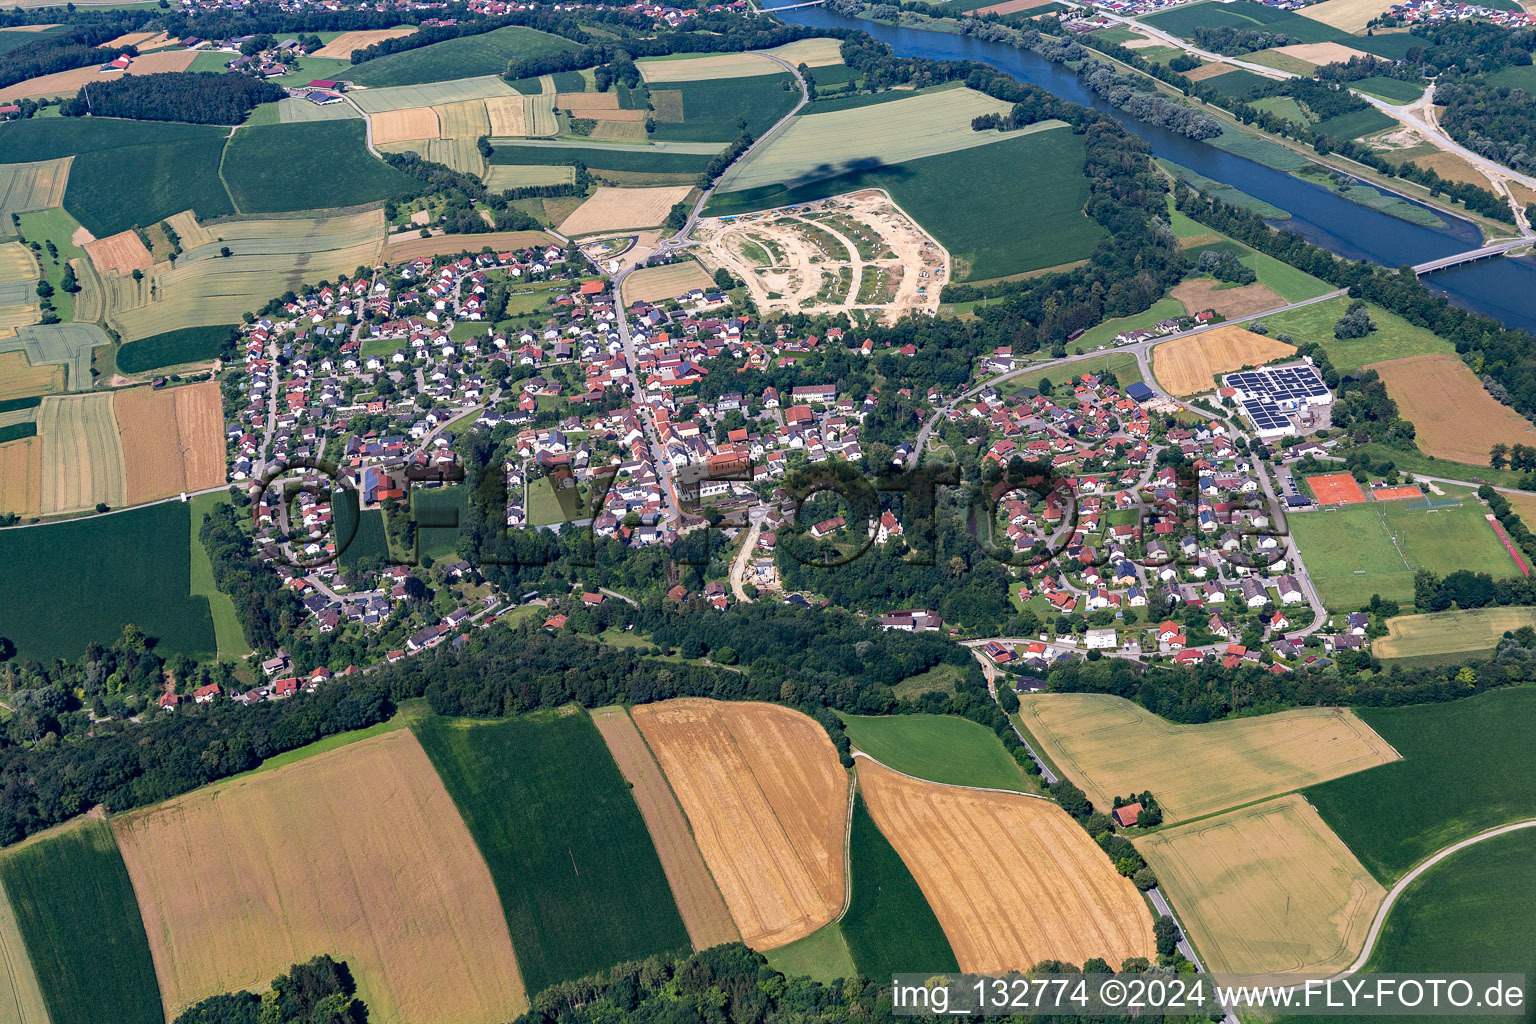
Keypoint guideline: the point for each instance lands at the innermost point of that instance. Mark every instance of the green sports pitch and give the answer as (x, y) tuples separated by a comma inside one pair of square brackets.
[(1376, 547)]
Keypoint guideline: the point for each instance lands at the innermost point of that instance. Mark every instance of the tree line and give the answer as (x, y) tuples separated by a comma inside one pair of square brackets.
[(319, 991)]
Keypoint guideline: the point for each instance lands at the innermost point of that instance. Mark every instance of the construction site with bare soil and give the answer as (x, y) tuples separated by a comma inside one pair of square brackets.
[(843, 254)]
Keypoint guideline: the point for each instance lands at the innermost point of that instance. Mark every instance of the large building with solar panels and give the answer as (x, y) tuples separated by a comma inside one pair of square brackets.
[(1279, 398)]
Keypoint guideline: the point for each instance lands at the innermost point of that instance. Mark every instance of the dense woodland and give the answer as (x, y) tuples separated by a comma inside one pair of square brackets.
[(320, 991), (1494, 121), (175, 96)]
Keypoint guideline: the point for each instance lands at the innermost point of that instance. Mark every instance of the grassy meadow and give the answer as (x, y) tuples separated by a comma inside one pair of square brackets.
[(488, 53), (1394, 337), (578, 876), (90, 563), (822, 956), (939, 748), (888, 926), (76, 912), (1466, 767), (228, 634)]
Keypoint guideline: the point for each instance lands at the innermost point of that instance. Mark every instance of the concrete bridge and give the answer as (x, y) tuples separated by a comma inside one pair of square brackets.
[(790, 7), (1470, 256)]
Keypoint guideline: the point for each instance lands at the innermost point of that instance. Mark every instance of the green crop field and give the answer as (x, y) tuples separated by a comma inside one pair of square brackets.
[(578, 876), (323, 164), (1354, 124), (987, 235), (371, 539), (1466, 768), (77, 913), (90, 564), (1394, 90), (1351, 554), (465, 57), (1237, 83), (440, 505), (712, 109), (1182, 21), (11, 39), (616, 158), (939, 748), (889, 926), (226, 622), (1394, 337), (127, 172), (188, 345)]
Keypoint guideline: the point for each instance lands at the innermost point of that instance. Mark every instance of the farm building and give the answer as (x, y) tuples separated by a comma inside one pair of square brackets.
[(1139, 392), (1126, 816)]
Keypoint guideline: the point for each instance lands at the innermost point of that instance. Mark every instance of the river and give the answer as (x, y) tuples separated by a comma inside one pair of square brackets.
[(1502, 288)]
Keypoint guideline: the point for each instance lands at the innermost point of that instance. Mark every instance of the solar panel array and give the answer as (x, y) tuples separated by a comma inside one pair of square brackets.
[(1266, 415), (1285, 384)]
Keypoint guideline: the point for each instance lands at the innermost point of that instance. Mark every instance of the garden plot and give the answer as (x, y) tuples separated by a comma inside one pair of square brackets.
[(895, 267), (823, 145)]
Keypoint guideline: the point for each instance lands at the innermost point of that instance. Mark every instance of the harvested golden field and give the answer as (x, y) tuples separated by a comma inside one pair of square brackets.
[(1012, 879), (122, 253), (707, 67), (1266, 889), (27, 188), (82, 456), (1205, 71), (1011, 7), (506, 115), (617, 209), (409, 247), (1346, 15), (342, 46), (20, 379), (18, 296), (1188, 366), (1206, 293), (819, 52), (405, 125), (1453, 632), (173, 441), (768, 802), (141, 40), (1321, 53), (191, 233), (579, 103), (656, 284), (619, 131), (1524, 504), (90, 300), (21, 482), (1453, 417), (359, 852), (698, 899), (1110, 746), (67, 83), (269, 257)]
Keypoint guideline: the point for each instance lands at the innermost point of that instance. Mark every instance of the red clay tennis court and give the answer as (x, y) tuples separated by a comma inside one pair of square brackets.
[(1397, 494), (1335, 489)]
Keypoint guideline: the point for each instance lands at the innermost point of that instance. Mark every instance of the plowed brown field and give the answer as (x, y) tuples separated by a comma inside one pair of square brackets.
[(173, 441), (768, 802), (703, 909), (1012, 879), (21, 477), (358, 852), (122, 253)]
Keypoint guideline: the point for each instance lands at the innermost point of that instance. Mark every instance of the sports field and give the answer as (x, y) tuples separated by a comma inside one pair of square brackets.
[(1188, 366), (657, 284), (1266, 889), (1453, 416), (1466, 767), (172, 440), (1011, 878), (32, 186), (359, 851), (1375, 548), (1336, 489), (619, 209), (466, 56), (768, 802), (825, 145), (82, 453), (939, 748), (888, 926), (269, 258), (91, 564), (703, 909), (579, 880), (1472, 629), (1112, 747), (77, 915)]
